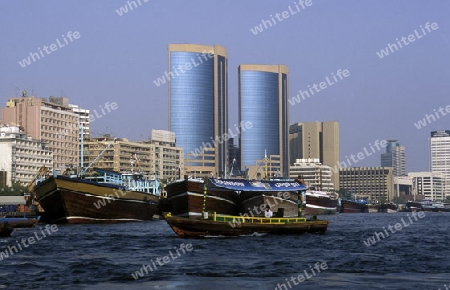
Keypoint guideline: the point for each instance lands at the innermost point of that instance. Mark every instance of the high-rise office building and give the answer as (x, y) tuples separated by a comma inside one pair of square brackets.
[(51, 121), (440, 156), (198, 105), (263, 94), (394, 157), (318, 140)]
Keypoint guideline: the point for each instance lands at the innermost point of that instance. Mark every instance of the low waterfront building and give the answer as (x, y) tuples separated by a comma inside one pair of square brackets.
[(373, 183)]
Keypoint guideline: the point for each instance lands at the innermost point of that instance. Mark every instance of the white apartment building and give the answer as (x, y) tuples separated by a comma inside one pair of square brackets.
[(429, 184), (21, 156), (314, 173), (440, 156)]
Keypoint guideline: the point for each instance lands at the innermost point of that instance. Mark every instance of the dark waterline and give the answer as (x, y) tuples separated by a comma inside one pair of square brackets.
[(106, 256)]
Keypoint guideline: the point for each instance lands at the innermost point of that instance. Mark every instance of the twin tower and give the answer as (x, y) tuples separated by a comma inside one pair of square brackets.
[(198, 107)]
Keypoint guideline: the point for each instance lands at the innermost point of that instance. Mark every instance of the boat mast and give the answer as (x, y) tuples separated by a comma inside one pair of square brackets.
[(266, 160), (82, 148)]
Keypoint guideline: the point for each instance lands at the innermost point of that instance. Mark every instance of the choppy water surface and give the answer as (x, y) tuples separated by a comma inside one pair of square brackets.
[(105, 257)]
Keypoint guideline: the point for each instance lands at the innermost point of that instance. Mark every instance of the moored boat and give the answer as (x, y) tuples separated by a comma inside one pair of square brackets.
[(413, 206), (353, 206), (389, 207), (282, 196), (240, 225), (108, 197), (320, 203), (20, 222), (188, 197)]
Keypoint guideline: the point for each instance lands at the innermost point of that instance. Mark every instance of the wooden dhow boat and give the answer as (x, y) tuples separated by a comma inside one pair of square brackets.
[(242, 225), (321, 202), (187, 197), (107, 197), (353, 206), (283, 197)]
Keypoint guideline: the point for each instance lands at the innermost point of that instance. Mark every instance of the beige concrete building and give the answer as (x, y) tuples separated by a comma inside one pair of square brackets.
[(118, 154), (201, 164), (317, 140), (270, 166), (50, 121), (374, 183), (21, 156), (157, 157), (314, 173), (168, 158)]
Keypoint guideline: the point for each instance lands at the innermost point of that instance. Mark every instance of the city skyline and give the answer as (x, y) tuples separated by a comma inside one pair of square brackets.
[(382, 98)]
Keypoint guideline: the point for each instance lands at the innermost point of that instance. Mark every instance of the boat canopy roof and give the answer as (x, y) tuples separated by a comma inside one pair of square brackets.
[(117, 174), (256, 185)]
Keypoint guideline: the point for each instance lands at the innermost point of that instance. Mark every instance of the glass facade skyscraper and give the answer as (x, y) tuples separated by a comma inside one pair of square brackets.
[(263, 94), (198, 93), (394, 157)]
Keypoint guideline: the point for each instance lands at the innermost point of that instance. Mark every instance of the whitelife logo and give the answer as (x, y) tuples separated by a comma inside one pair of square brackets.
[(124, 9), (411, 38), (281, 16), (431, 118), (162, 261), (11, 250), (49, 49)]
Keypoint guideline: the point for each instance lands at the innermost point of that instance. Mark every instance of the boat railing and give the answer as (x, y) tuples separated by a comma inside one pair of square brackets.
[(258, 220), (148, 186)]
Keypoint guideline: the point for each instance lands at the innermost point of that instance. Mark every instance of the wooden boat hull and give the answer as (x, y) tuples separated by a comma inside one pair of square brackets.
[(67, 200), (348, 206), (320, 205), (19, 222), (318, 210), (5, 229), (412, 206), (186, 198), (185, 227)]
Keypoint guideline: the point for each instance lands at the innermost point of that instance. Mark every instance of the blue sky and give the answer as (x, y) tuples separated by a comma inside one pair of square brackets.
[(116, 58)]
